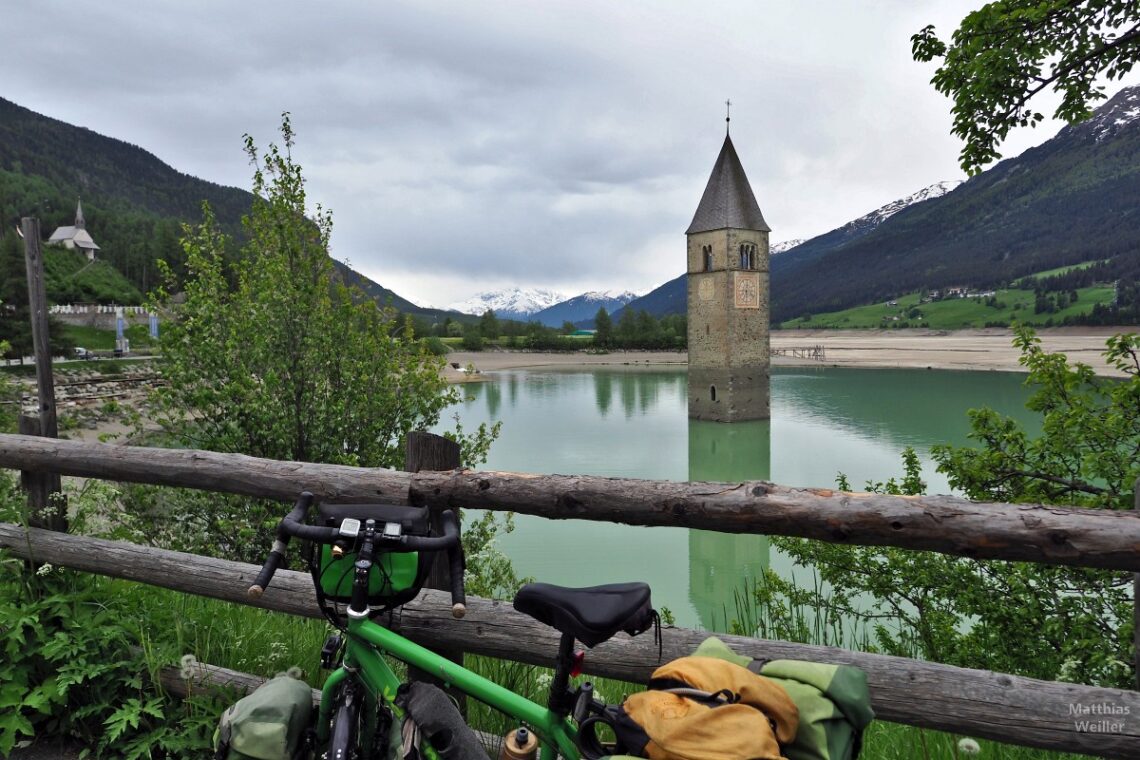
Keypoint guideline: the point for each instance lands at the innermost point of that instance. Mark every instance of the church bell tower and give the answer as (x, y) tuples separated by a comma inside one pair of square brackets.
[(728, 298)]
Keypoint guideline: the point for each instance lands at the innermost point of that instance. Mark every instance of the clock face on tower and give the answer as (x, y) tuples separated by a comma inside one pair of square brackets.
[(746, 286), (706, 290)]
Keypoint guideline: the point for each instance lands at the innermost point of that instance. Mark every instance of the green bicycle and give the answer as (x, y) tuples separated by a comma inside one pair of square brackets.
[(366, 559)]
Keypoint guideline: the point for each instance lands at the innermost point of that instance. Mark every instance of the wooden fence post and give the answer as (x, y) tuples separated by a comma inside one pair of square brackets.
[(428, 451), (45, 499)]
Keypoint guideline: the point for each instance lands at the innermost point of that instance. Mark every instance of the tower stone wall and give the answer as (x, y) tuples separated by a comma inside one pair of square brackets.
[(728, 304)]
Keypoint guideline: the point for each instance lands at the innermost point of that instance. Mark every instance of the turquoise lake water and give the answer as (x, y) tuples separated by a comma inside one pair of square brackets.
[(635, 424)]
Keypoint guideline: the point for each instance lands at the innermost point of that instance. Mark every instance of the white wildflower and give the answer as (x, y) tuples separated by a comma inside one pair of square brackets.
[(189, 666), (44, 569), (968, 746)]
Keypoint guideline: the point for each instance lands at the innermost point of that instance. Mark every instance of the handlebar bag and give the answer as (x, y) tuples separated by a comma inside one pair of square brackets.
[(396, 577)]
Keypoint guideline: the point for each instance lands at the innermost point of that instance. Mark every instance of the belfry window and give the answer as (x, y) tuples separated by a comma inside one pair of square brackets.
[(707, 251), (748, 256)]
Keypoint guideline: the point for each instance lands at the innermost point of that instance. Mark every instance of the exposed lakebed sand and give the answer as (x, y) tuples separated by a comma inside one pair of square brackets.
[(977, 350)]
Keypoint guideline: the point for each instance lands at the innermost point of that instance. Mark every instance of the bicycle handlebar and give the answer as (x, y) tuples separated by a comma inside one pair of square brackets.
[(293, 524)]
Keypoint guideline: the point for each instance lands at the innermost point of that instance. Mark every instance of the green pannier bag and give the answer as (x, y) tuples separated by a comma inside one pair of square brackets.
[(833, 701), (267, 724)]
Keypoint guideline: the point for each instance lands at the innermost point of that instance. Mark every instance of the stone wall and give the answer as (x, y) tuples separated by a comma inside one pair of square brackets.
[(99, 316), (728, 311)]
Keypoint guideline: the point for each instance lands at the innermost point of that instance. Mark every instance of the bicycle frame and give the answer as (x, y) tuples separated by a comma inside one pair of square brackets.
[(366, 646)]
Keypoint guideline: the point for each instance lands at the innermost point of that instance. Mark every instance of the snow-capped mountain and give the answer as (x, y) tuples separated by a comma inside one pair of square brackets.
[(778, 248), (511, 303), (883, 213), (1117, 113), (584, 307)]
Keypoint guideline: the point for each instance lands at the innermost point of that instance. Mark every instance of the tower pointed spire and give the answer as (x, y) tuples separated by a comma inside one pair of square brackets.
[(80, 222), (727, 115), (728, 201)]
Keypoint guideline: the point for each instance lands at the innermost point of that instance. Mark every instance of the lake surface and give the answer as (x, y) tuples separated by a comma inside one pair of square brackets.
[(635, 424)]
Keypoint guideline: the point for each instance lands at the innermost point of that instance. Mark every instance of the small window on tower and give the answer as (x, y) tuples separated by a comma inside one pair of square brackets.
[(712, 392), (708, 258), (746, 256)]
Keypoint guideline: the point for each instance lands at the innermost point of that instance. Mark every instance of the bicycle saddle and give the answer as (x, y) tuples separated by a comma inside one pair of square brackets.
[(592, 615)]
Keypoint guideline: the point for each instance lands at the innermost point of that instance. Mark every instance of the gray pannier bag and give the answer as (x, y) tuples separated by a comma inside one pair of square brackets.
[(431, 715), (267, 724)]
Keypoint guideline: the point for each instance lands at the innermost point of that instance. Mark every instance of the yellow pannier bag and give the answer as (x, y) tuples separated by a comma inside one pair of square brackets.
[(704, 708)]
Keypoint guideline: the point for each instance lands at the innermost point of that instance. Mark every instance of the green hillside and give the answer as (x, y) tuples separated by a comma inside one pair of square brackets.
[(997, 310), (70, 278)]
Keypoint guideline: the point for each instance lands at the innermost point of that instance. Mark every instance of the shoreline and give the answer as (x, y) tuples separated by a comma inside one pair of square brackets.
[(974, 350)]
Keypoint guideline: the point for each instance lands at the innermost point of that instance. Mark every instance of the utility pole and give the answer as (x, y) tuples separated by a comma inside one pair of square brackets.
[(48, 509)]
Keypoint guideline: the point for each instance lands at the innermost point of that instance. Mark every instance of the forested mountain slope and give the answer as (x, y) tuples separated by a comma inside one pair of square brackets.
[(134, 203), (1072, 199)]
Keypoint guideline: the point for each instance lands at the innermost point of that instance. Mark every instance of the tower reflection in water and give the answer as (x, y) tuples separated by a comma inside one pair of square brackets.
[(722, 565)]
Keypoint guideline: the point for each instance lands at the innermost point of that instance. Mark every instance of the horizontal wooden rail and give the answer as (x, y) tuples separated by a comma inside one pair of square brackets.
[(979, 703), (1028, 532)]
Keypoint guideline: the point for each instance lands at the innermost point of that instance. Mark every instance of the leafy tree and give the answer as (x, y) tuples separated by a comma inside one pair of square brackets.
[(1064, 623), (568, 328), (489, 325), (603, 328), (286, 362), (627, 327), (1091, 431), (472, 337), (1008, 51), (648, 330)]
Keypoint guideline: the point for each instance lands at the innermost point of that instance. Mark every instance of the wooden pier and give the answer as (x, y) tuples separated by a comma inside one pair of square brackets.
[(816, 353)]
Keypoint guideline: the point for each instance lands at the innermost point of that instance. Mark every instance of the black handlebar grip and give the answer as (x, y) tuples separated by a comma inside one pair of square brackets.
[(277, 554), (296, 515), (272, 562), (294, 523), (457, 563)]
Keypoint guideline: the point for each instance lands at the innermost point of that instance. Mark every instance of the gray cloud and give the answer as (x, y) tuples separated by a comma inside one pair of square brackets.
[(470, 145)]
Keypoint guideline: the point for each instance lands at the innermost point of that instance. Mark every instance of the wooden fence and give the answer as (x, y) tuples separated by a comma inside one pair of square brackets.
[(979, 703)]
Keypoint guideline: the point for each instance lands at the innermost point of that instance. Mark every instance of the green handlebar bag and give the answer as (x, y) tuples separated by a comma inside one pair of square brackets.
[(267, 724)]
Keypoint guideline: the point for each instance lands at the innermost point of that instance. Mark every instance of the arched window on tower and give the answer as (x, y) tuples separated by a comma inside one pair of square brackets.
[(708, 257), (747, 256)]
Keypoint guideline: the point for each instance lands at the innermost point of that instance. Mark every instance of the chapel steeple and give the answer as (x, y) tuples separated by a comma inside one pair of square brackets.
[(80, 222)]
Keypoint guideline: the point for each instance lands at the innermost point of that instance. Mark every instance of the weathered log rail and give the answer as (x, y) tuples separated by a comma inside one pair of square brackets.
[(1026, 532), (980, 703)]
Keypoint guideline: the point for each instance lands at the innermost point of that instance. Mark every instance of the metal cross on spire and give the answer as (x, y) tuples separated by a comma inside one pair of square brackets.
[(727, 114)]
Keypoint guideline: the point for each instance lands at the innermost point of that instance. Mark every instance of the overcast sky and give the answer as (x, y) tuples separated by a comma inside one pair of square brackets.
[(467, 146)]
